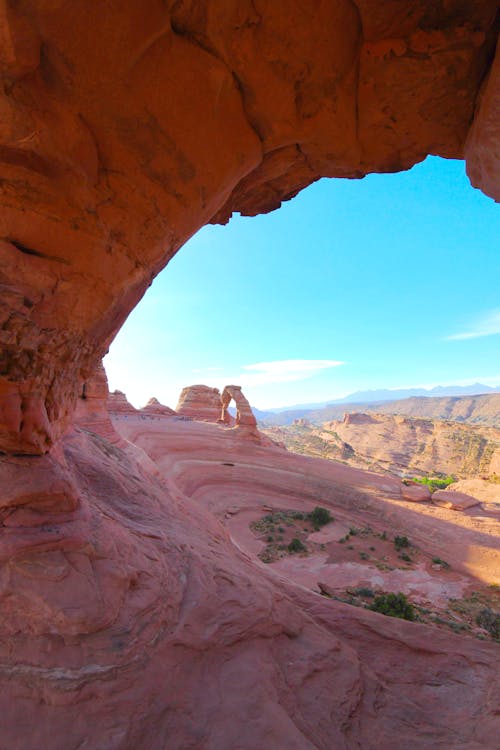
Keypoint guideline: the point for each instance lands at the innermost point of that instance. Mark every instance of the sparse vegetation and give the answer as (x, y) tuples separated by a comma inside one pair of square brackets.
[(401, 542), (296, 546), (320, 516), (394, 605), (442, 563)]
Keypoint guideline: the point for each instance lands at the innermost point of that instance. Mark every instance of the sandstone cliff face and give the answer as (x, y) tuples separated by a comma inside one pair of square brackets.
[(204, 108)]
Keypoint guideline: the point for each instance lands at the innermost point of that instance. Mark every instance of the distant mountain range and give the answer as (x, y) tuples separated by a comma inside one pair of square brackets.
[(453, 403), (386, 394)]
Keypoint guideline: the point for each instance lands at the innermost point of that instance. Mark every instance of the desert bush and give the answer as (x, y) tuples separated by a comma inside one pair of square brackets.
[(296, 546), (394, 605), (320, 516), (490, 621), (401, 542)]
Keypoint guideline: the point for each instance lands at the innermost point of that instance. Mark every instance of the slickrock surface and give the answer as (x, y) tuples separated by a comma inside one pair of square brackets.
[(126, 128), (142, 619), (483, 489), (200, 402)]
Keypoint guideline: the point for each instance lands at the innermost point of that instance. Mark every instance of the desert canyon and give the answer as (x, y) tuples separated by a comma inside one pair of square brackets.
[(138, 611)]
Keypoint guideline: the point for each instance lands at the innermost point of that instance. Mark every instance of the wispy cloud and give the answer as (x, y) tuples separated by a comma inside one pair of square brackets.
[(280, 371), (487, 325)]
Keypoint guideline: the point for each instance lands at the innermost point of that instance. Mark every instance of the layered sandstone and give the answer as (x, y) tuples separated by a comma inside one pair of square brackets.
[(155, 408), (118, 404), (244, 414), (199, 402)]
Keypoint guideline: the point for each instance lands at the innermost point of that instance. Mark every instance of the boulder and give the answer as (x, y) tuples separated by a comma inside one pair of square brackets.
[(416, 493), (453, 500)]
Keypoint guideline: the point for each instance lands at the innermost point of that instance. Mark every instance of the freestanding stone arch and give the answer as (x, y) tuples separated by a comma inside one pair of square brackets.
[(244, 414)]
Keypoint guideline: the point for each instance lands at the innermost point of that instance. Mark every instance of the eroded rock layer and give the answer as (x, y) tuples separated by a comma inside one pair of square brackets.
[(199, 402), (126, 128)]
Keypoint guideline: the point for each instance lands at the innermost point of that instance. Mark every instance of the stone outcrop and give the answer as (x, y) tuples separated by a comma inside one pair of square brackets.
[(415, 492), (119, 405), (154, 408), (205, 109), (244, 414), (199, 402), (454, 500)]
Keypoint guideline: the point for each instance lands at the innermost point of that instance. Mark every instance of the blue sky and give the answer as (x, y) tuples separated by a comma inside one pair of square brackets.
[(386, 282)]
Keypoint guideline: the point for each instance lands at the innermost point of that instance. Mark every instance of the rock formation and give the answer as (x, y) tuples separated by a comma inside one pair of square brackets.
[(199, 402), (154, 408), (118, 404), (415, 492), (454, 500), (130, 620), (244, 413)]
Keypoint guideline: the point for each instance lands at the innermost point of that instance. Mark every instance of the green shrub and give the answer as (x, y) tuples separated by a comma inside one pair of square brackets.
[(320, 516), (270, 539), (296, 546), (401, 542), (435, 483), (438, 561), (405, 557), (394, 605)]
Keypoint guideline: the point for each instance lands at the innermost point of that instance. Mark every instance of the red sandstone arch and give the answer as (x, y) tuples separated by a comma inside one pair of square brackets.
[(126, 128), (244, 414)]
